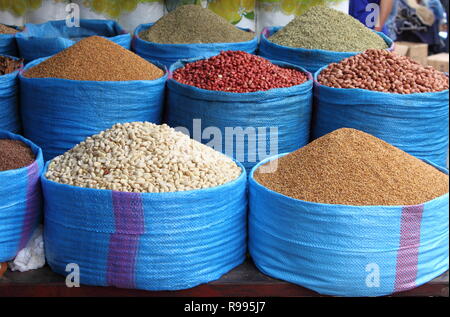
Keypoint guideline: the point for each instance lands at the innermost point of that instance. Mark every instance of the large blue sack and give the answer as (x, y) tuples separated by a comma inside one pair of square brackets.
[(311, 60), (347, 250), (9, 102), (20, 202), (59, 113), (246, 126), (416, 123), (8, 44), (152, 241), (168, 54), (42, 40)]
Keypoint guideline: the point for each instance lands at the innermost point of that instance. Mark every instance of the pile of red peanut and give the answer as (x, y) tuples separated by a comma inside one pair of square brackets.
[(381, 70), (238, 72)]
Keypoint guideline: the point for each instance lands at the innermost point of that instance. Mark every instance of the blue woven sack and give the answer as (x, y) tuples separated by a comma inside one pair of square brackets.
[(152, 241), (347, 250), (9, 107), (168, 54), (277, 120), (59, 113), (8, 44), (311, 60), (20, 202), (416, 123), (42, 40)]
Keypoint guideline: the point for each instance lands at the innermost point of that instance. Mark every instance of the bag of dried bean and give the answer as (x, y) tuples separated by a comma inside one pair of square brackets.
[(20, 197), (248, 126), (311, 59), (9, 107), (8, 40), (167, 54), (347, 250), (417, 123), (151, 241), (42, 40)]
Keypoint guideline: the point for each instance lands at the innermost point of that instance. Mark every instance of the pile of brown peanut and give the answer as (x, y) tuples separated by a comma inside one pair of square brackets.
[(381, 70)]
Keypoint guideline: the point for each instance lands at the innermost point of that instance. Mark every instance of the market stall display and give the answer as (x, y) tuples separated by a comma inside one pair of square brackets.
[(344, 205), (42, 40), (85, 89), (238, 95), (310, 43), (184, 225), (190, 31), (9, 107), (389, 96), (21, 164)]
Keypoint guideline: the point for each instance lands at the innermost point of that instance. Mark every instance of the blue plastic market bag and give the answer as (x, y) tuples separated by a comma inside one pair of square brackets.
[(311, 60), (416, 123), (59, 113), (152, 241), (347, 250), (168, 54), (20, 202), (42, 40), (8, 44), (246, 126), (9, 102)]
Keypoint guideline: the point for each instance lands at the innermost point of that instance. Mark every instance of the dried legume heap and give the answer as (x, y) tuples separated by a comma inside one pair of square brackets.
[(7, 30), (142, 157), (327, 29), (238, 72), (191, 24), (14, 154), (96, 59), (380, 70), (351, 167), (9, 65)]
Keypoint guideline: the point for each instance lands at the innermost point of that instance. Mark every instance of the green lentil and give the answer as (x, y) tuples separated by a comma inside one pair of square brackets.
[(190, 24), (327, 29)]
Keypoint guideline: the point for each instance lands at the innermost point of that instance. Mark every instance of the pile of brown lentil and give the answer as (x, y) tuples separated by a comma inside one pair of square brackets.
[(238, 72), (9, 65), (380, 70), (191, 24), (14, 154), (96, 59), (7, 30), (351, 167)]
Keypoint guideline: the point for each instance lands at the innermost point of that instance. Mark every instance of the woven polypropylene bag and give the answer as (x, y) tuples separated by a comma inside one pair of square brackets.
[(347, 250), (311, 60), (272, 121), (9, 102), (416, 123), (20, 202), (42, 40), (168, 54), (8, 44), (59, 113), (153, 241)]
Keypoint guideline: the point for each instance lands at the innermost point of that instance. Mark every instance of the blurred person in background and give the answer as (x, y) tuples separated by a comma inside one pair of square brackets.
[(361, 10)]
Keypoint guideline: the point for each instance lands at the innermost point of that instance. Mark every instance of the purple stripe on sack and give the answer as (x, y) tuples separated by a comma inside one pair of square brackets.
[(123, 244), (32, 206), (408, 253)]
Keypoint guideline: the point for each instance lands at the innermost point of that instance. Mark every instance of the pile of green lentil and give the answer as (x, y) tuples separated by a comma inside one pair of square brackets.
[(327, 29), (190, 24)]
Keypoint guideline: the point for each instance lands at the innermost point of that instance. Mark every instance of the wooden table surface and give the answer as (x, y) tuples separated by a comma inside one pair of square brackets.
[(245, 280)]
